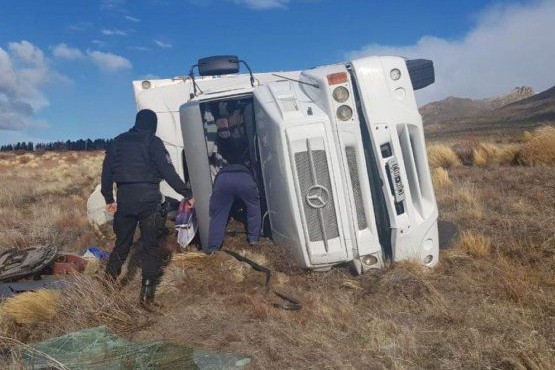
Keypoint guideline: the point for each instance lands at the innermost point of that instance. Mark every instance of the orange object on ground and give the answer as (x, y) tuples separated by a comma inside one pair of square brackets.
[(67, 263)]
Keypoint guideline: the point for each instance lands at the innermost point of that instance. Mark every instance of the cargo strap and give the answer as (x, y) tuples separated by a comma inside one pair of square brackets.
[(290, 303)]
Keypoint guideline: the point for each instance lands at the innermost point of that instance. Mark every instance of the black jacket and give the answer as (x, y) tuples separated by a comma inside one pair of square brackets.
[(138, 156)]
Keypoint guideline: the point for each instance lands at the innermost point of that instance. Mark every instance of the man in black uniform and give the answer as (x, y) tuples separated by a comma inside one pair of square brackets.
[(137, 161)]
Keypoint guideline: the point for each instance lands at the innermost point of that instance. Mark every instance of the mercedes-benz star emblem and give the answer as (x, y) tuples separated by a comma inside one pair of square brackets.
[(317, 196)]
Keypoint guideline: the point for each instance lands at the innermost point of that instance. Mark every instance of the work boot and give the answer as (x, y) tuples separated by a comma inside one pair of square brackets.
[(148, 289)]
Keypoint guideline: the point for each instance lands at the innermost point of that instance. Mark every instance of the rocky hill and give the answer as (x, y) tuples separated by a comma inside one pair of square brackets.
[(453, 108), (519, 110)]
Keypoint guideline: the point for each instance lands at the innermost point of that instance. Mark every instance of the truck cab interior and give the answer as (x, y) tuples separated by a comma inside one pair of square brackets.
[(230, 134)]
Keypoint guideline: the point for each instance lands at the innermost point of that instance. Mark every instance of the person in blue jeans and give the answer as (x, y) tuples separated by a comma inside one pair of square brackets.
[(233, 181)]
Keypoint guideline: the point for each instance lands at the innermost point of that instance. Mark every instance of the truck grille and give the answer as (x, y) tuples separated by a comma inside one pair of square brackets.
[(355, 182), (316, 192)]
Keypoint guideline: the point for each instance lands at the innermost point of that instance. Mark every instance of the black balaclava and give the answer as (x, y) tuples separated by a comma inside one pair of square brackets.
[(146, 121)]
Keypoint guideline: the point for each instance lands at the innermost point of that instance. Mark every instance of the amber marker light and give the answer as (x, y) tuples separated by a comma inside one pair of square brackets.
[(337, 78)]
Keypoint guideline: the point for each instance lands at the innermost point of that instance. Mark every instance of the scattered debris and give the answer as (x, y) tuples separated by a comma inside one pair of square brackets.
[(98, 348), (351, 284), (8, 290), (19, 263)]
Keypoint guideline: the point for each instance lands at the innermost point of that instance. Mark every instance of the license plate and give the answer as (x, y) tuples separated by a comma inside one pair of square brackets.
[(398, 187)]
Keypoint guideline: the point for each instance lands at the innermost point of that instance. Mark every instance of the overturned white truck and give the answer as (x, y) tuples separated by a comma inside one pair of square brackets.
[(337, 151)]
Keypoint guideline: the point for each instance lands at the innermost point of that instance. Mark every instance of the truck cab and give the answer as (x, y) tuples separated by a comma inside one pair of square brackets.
[(337, 152)]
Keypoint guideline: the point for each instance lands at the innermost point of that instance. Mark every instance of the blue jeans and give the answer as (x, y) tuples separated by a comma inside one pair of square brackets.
[(229, 185)]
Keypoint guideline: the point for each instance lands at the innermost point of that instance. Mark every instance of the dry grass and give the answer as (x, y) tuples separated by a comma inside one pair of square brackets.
[(489, 303), (534, 148), (30, 307), (442, 156), (85, 303), (490, 154), (440, 177), (42, 197), (475, 245), (539, 148)]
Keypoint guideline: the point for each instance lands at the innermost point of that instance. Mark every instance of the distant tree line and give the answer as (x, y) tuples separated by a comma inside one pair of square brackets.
[(79, 145)]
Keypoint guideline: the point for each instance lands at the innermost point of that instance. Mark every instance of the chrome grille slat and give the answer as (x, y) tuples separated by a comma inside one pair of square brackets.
[(355, 182)]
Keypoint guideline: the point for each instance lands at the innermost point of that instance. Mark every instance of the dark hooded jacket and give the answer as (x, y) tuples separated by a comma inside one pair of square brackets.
[(139, 157)]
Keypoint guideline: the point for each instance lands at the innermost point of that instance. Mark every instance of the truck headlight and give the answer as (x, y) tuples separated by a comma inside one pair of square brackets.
[(429, 258), (341, 94), (344, 113), (145, 84), (369, 260), (395, 74)]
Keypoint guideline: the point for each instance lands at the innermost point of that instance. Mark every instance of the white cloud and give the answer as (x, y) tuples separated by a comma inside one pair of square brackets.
[(139, 48), (511, 45), (163, 45), (105, 61), (109, 61), (263, 4), (23, 72), (99, 43), (65, 52), (112, 4), (27, 52), (132, 19), (114, 32)]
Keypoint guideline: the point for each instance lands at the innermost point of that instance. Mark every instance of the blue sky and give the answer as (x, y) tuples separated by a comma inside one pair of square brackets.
[(66, 66)]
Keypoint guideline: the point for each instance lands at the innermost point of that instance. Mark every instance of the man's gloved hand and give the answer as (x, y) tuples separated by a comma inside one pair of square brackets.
[(111, 208)]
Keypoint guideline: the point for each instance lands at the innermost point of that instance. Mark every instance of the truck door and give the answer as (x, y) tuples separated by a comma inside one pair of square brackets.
[(194, 146)]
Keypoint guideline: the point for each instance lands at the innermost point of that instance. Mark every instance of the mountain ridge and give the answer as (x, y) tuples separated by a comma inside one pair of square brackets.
[(520, 109)]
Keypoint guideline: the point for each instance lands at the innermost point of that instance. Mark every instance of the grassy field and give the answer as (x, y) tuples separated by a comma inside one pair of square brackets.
[(490, 303)]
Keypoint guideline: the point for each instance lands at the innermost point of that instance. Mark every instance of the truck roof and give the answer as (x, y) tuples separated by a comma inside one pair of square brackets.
[(167, 95)]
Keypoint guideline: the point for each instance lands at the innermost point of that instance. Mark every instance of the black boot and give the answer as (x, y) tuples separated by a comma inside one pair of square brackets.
[(148, 289)]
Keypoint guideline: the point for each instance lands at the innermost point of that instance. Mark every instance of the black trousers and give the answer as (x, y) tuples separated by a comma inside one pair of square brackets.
[(138, 204)]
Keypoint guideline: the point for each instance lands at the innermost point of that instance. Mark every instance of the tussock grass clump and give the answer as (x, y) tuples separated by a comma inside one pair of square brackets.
[(465, 151), (442, 156), (539, 149), (440, 177), (474, 244), (490, 154), (35, 316), (31, 307)]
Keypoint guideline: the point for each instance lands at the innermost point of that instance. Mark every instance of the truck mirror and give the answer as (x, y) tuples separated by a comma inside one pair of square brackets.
[(421, 73), (218, 65)]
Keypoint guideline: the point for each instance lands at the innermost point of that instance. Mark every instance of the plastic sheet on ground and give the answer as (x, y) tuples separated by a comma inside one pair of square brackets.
[(10, 289), (97, 348)]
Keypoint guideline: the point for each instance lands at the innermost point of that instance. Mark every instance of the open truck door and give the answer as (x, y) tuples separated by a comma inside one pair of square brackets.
[(194, 146)]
